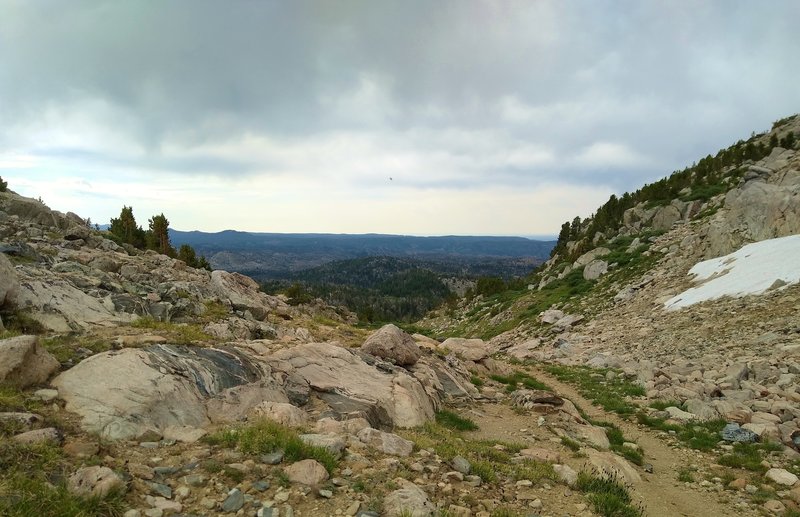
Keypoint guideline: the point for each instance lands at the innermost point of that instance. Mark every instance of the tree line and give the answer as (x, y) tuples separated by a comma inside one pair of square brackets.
[(125, 230), (706, 179)]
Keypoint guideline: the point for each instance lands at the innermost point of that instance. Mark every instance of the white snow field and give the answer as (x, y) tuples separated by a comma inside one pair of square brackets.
[(753, 269)]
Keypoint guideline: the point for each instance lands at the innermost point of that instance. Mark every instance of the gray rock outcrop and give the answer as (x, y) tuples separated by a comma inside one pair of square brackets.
[(595, 269), (23, 362), (138, 392), (9, 283), (392, 344), (347, 384)]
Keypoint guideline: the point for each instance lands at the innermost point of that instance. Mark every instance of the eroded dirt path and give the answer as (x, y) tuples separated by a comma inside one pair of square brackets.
[(660, 493)]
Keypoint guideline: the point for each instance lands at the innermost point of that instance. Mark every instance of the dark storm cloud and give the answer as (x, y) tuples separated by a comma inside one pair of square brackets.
[(645, 86)]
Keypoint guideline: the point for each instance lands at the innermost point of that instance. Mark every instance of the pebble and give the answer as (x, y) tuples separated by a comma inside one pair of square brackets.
[(461, 464), (260, 486), (194, 480), (272, 458), (161, 489), (46, 395), (234, 501), (165, 471)]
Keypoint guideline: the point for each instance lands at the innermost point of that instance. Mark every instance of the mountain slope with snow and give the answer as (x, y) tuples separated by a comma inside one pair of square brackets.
[(753, 269)]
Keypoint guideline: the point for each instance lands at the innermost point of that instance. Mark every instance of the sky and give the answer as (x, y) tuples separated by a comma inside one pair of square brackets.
[(433, 117)]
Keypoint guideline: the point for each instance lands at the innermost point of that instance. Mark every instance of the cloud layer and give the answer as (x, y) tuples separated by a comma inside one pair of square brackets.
[(411, 117)]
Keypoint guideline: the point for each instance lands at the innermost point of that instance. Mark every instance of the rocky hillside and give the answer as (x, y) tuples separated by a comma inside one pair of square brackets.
[(675, 299), (131, 384)]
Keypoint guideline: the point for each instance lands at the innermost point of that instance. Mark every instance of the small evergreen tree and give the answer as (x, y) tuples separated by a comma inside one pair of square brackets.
[(126, 229), (187, 254), (787, 142), (3, 185), (158, 235)]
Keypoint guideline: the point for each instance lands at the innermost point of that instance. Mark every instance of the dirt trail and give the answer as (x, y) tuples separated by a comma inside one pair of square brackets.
[(659, 493)]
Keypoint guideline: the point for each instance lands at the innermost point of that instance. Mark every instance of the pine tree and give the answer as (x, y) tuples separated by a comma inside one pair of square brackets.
[(3, 185), (126, 229), (158, 236)]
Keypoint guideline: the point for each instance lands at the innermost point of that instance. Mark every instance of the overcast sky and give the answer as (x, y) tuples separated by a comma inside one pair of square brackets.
[(414, 117)]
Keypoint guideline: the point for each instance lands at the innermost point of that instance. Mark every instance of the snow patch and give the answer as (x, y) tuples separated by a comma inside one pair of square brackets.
[(753, 269)]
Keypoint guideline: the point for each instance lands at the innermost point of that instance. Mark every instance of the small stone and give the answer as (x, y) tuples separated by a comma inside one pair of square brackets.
[(132, 513), (46, 395), (165, 471), (234, 501), (140, 471), (46, 435), (738, 484), (733, 433), (781, 477), (327, 494), (167, 506), (774, 506), (273, 458), (307, 472), (566, 474), (353, 509), (94, 481), (461, 464), (194, 480), (81, 449), (261, 486), (473, 480), (161, 489)]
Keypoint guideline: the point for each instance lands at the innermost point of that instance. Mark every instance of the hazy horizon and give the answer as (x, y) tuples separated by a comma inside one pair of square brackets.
[(407, 118)]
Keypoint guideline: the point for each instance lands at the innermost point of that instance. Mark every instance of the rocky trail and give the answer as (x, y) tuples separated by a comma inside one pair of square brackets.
[(660, 493)]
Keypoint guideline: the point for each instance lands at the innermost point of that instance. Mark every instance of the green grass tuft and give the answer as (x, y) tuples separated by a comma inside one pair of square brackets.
[(610, 394), (608, 496), (749, 456), (32, 483), (570, 443), (517, 379), (702, 436), (180, 333), (451, 420), (489, 459), (686, 476), (266, 436)]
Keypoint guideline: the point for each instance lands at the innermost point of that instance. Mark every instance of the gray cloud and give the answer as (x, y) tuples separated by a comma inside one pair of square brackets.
[(606, 92)]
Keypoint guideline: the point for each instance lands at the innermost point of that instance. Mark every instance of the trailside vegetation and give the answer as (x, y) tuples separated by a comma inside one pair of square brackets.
[(125, 230), (705, 179)]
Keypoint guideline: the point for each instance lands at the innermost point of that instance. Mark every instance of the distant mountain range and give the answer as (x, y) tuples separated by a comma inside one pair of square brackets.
[(274, 255)]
